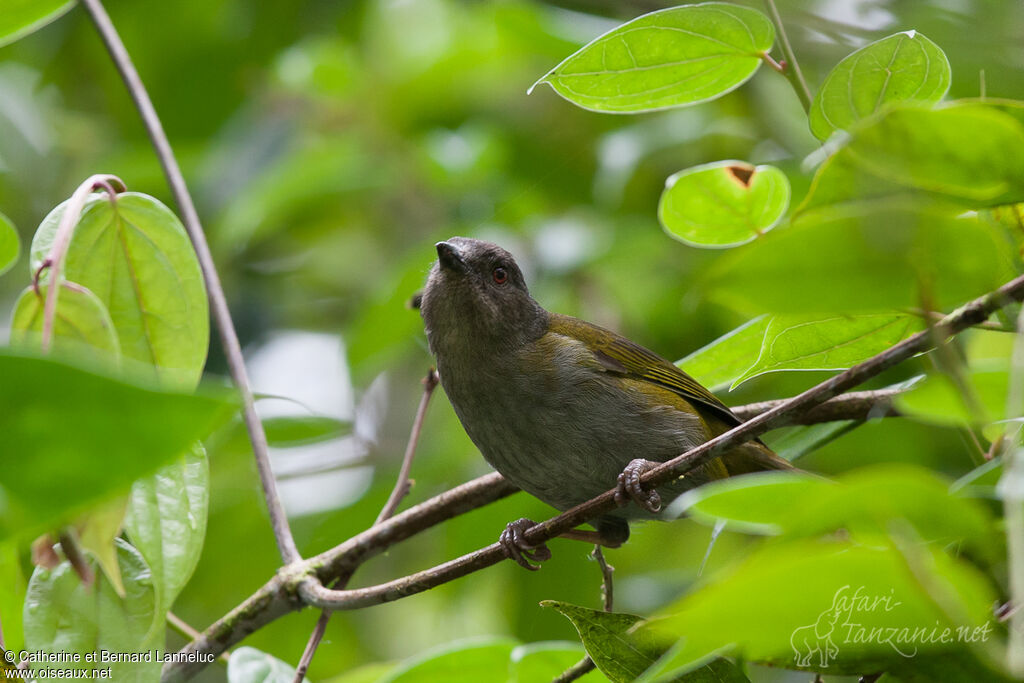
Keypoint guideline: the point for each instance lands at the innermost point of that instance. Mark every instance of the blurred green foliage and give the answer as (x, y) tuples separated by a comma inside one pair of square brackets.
[(329, 145)]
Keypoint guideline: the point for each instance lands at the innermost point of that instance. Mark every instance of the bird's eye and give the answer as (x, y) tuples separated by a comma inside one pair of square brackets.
[(500, 275)]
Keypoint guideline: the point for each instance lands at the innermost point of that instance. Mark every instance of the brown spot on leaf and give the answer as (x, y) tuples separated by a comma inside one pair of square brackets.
[(742, 174)]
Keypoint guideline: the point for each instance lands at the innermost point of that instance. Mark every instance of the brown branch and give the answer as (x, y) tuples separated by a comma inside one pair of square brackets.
[(218, 300), (277, 597), (856, 405), (344, 558)]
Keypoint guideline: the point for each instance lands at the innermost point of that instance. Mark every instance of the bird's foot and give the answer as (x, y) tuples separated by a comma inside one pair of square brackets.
[(630, 489), (517, 548)]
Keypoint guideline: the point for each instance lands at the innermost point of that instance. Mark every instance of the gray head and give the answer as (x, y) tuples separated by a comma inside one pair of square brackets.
[(476, 295)]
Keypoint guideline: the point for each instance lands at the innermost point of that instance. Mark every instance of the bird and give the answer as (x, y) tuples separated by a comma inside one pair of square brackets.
[(562, 408)]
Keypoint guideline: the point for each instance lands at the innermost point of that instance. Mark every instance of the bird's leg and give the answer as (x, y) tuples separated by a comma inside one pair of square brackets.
[(517, 547), (629, 486)]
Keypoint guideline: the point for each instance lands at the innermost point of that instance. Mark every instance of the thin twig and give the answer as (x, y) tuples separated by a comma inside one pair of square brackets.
[(792, 71), (218, 301), (183, 628), (856, 405), (62, 240), (311, 645), (607, 589), (75, 556), (577, 671), (403, 485)]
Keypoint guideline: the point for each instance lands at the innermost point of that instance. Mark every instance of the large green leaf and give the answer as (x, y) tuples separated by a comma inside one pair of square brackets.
[(904, 66), (839, 605), (18, 18), (474, 659), (719, 363), (864, 259), (941, 400), (82, 327), (669, 58), (964, 152), (622, 653), (10, 246), (868, 500), (831, 343), (249, 665), (166, 521), (136, 257), (72, 437), (64, 616), (723, 204)]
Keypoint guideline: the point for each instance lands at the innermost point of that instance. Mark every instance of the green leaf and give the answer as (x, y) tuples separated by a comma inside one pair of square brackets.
[(82, 327), (669, 58), (136, 257), (832, 343), (284, 432), (904, 66), (621, 653), (72, 438), (12, 596), (761, 504), (166, 521), (97, 531), (863, 606), (965, 151), (18, 18), (866, 259), (723, 204), (870, 500), (940, 400), (467, 661), (249, 665), (10, 246), (719, 363), (63, 616), (543, 661), (798, 441)]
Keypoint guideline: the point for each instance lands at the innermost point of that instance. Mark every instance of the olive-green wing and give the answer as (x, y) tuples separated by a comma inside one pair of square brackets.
[(617, 354)]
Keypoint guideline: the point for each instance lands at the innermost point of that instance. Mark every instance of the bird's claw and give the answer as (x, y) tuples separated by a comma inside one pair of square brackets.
[(517, 548), (629, 487)]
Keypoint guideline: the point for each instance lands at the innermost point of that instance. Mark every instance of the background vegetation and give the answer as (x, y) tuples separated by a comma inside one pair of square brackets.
[(329, 146)]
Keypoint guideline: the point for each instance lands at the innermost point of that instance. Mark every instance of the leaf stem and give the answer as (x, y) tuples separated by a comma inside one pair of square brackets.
[(792, 70), (403, 485), (62, 240), (218, 300)]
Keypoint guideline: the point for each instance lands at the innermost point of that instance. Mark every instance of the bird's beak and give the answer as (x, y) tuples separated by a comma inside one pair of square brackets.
[(450, 257)]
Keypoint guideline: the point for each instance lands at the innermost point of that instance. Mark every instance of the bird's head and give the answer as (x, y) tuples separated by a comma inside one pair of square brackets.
[(476, 295)]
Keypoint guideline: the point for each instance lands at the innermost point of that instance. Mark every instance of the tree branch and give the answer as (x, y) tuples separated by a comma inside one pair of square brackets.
[(343, 559), (218, 301)]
